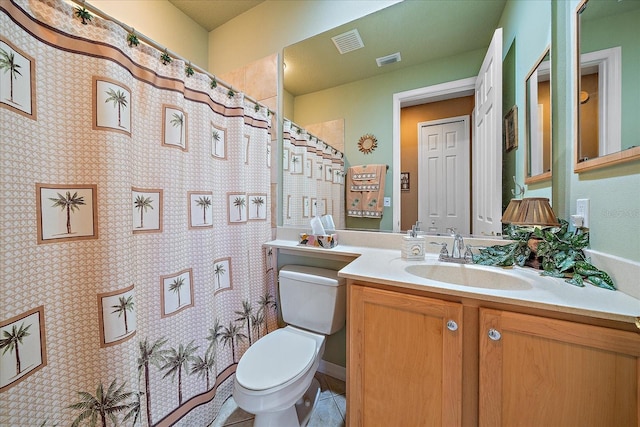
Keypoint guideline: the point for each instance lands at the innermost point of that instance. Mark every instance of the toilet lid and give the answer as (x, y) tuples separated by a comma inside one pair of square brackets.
[(275, 359)]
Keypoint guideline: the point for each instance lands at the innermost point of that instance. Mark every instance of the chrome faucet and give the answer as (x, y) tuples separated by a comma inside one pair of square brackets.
[(459, 253)]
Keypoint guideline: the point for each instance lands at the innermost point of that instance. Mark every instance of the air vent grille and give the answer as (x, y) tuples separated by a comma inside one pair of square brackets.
[(389, 59), (348, 42)]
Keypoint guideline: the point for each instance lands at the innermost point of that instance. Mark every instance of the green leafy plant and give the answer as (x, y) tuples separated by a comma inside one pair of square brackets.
[(231, 93), (559, 250), (214, 83)]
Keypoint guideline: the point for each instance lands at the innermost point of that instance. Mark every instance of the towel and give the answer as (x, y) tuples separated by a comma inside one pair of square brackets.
[(365, 198)]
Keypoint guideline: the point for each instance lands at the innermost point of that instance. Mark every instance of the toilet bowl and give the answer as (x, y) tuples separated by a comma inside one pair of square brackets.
[(276, 373), (275, 376)]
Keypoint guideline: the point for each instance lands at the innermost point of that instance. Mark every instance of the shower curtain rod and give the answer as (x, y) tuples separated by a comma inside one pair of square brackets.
[(91, 8)]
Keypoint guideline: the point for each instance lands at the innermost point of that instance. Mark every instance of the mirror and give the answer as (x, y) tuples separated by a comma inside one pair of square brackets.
[(608, 98), (538, 121), (354, 88)]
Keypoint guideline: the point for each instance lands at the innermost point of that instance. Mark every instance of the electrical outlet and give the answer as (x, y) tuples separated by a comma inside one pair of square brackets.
[(387, 201), (582, 209)]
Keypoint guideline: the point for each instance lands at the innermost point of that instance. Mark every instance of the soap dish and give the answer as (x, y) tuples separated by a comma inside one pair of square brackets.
[(326, 241)]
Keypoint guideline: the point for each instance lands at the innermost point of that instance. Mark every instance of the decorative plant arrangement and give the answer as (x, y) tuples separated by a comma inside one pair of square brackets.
[(559, 251), (188, 70), (165, 58)]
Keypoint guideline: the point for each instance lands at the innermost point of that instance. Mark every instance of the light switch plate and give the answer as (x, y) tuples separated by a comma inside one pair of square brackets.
[(582, 209), (387, 201)]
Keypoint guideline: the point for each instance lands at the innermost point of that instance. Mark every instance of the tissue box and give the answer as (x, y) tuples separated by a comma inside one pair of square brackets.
[(327, 241)]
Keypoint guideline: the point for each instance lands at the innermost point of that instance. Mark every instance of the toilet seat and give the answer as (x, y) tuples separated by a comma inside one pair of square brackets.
[(275, 359)]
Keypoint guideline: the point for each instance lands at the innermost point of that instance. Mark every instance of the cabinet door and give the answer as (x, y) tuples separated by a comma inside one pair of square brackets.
[(536, 371), (404, 360)]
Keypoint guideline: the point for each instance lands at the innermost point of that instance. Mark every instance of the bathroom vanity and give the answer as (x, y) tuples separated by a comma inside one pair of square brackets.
[(432, 343)]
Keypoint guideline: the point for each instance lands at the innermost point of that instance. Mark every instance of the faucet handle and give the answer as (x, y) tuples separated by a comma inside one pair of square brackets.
[(468, 254), (444, 253)]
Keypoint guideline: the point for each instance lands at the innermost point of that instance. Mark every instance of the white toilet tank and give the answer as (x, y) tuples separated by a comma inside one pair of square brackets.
[(313, 298)]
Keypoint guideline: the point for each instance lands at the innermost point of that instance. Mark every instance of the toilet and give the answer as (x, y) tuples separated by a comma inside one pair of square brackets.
[(275, 376)]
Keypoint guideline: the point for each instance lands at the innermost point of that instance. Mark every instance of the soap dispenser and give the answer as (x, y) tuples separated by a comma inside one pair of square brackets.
[(412, 244)]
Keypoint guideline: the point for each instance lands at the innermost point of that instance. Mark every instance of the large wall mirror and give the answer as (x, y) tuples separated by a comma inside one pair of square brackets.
[(608, 101), (322, 85), (538, 121)]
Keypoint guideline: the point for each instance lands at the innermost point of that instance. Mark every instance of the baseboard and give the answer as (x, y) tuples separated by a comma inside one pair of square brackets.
[(333, 370)]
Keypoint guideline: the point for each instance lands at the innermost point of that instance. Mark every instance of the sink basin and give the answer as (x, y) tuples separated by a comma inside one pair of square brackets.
[(469, 275)]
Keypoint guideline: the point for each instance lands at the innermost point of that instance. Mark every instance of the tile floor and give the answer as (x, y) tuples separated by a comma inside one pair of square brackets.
[(329, 412)]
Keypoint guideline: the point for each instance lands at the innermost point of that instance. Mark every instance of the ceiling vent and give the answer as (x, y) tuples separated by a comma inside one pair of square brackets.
[(347, 42), (389, 59)]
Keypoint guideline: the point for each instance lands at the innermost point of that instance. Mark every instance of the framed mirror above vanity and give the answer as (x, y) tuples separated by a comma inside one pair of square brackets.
[(538, 121), (608, 95)]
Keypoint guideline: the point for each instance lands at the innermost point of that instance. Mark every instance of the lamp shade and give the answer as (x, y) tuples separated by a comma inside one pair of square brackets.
[(536, 211), (511, 213)]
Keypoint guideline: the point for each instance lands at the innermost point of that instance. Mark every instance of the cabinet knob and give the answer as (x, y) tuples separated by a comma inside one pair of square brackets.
[(452, 325), (494, 335)]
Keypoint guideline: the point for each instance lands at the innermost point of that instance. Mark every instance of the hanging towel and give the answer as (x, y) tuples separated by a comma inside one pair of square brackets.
[(366, 191)]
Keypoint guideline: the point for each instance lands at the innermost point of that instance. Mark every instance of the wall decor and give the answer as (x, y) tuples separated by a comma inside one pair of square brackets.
[(405, 183), (117, 316), (328, 173), (111, 105), (511, 129), (200, 212), (23, 347), (66, 212), (174, 127), (18, 79), (367, 143), (176, 292), (146, 210)]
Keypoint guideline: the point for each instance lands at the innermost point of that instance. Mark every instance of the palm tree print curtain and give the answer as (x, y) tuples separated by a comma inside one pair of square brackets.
[(136, 281)]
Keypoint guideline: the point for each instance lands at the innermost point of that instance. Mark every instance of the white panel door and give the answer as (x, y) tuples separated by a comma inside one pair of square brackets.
[(443, 175), (487, 143)]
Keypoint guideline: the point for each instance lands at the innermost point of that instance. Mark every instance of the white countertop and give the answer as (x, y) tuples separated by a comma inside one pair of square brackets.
[(387, 267)]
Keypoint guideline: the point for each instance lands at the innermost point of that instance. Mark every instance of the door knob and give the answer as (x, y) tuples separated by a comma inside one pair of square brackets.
[(494, 335)]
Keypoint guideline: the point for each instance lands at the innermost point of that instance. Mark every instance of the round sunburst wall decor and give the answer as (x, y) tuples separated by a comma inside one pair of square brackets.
[(367, 143)]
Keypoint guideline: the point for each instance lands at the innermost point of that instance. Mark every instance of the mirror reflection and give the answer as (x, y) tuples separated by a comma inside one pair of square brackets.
[(321, 84), (609, 90), (538, 121), (313, 174)]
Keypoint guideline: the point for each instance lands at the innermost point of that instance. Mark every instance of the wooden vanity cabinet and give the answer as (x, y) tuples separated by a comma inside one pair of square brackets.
[(547, 372), (404, 359), (406, 363)]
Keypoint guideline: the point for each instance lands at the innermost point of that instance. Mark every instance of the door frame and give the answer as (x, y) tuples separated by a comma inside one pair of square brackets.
[(466, 121), (424, 95)]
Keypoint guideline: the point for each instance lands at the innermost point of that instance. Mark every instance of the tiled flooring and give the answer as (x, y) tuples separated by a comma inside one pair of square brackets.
[(329, 412)]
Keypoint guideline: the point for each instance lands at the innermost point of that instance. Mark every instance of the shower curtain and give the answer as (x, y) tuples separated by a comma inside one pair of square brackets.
[(135, 201), (313, 178)]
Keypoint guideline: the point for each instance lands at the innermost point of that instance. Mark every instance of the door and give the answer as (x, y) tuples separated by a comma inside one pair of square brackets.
[(443, 175), (404, 359), (538, 371), (487, 142)]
